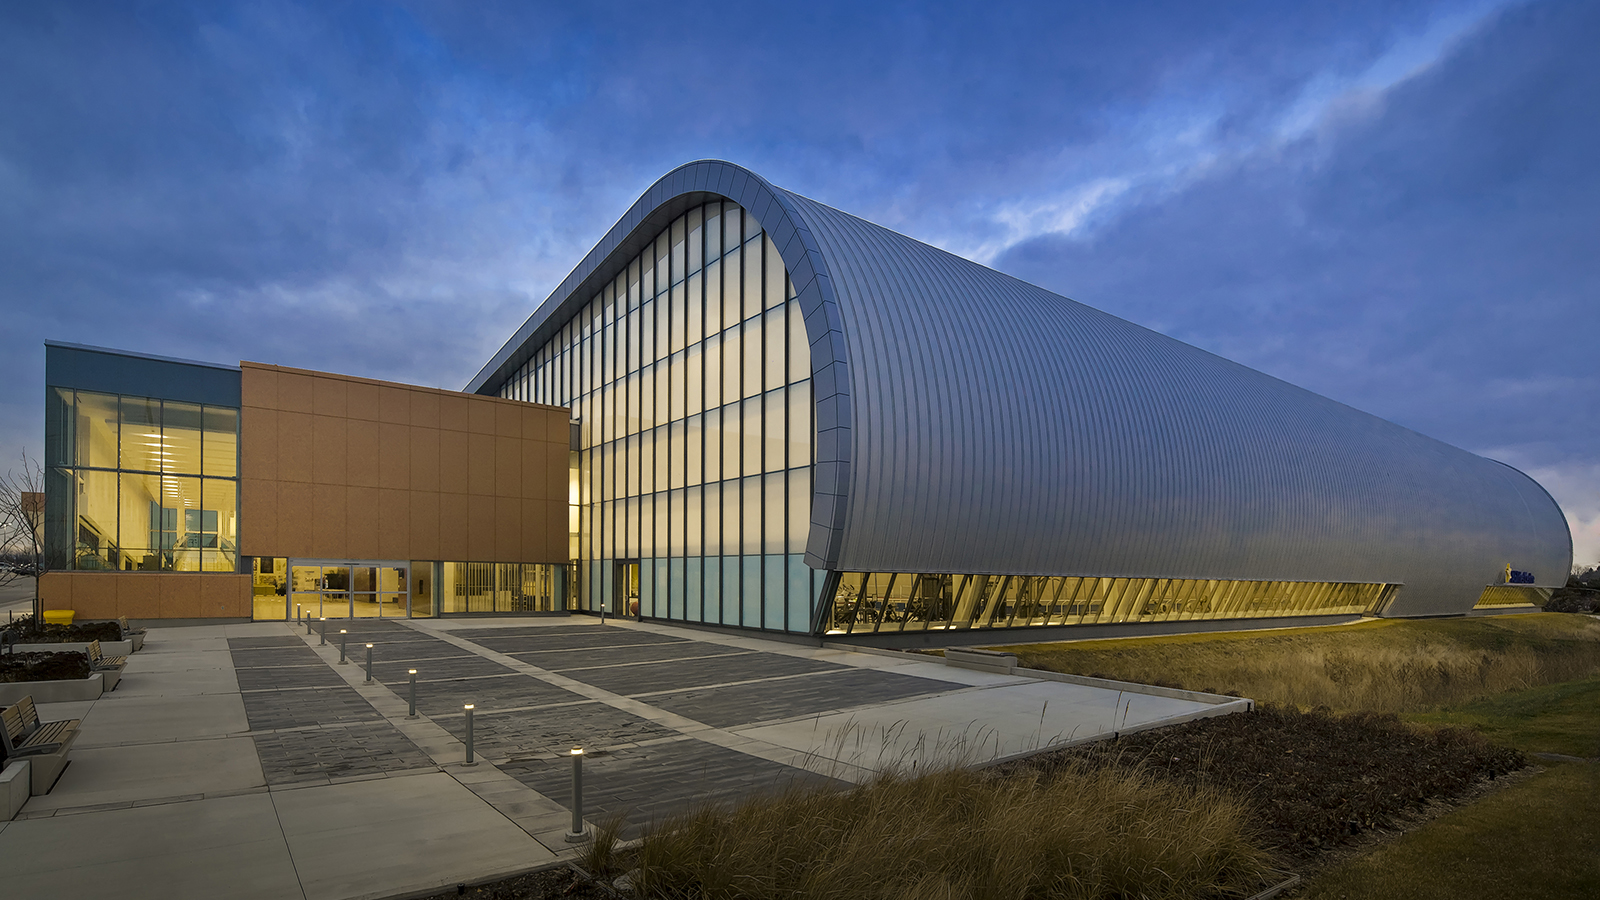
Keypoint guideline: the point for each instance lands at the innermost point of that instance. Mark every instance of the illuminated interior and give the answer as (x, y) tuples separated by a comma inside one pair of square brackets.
[(690, 376), (153, 483), (1497, 595), (882, 602)]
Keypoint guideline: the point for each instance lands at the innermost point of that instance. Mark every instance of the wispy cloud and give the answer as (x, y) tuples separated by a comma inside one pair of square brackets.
[(1063, 215), (1180, 134), (1334, 96)]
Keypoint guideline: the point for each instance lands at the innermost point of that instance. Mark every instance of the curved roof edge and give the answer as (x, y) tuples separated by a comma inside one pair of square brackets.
[(1560, 513), (689, 185)]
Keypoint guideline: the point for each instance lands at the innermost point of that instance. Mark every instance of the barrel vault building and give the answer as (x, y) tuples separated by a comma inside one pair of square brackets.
[(786, 418)]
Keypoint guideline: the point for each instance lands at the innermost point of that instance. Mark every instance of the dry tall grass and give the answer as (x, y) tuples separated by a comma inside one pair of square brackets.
[(964, 834), (1379, 666)]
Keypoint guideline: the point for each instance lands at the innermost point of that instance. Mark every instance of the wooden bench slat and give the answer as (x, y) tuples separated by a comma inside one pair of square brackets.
[(53, 731), (15, 726), (25, 735), (98, 659)]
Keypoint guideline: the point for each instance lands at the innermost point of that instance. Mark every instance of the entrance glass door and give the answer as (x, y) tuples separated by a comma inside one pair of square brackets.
[(319, 590), (378, 591), (350, 589), (336, 592), (627, 588), (364, 592)]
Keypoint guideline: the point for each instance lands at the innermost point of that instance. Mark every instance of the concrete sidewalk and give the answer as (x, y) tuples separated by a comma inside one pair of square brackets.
[(244, 761), (165, 797)]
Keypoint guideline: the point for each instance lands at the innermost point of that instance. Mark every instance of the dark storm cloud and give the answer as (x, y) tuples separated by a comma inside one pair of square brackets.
[(388, 190), (268, 180)]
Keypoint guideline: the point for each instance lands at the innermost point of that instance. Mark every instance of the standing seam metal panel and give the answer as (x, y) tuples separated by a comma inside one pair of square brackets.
[(1087, 445)]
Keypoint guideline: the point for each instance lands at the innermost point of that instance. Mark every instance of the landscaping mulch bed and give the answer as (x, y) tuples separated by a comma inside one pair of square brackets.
[(1318, 780), (544, 884), (1322, 784), (16, 667)]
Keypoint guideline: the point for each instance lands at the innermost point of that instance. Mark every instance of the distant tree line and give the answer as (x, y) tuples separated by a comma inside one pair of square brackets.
[(1581, 593)]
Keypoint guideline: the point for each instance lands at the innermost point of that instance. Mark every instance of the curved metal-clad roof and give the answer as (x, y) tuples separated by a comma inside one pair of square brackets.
[(1002, 428), (970, 422)]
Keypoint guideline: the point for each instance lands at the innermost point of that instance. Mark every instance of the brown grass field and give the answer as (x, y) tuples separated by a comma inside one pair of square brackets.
[(1377, 665), (1080, 833)]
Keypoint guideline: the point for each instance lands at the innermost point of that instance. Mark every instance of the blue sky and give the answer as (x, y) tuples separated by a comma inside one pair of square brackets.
[(1392, 204)]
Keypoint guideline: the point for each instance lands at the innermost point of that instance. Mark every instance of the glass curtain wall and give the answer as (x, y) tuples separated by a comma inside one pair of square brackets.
[(877, 602), (691, 377), (1512, 595), (503, 588), (140, 484)]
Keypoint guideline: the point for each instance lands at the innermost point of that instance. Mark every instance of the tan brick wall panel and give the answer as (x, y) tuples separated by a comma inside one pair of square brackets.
[(341, 467), (147, 595)]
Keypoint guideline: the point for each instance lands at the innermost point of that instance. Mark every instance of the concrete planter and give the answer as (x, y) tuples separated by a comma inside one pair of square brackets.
[(982, 660), (109, 648), (16, 785), (53, 691)]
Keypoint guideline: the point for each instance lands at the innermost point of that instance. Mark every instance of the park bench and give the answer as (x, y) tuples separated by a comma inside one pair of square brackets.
[(110, 667), (43, 744), (134, 635)]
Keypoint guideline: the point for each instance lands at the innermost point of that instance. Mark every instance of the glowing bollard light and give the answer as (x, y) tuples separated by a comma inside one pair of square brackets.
[(468, 708), (324, 632), (369, 664), (344, 638), (413, 713), (577, 832)]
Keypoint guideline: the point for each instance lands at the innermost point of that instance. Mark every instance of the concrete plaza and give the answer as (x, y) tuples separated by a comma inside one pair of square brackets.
[(245, 761)]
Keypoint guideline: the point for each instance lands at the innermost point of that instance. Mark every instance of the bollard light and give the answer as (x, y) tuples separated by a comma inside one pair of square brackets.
[(369, 664), (577, 833), (324, 631), (468, 708), (344, 638), (413, 713), (308, 623)]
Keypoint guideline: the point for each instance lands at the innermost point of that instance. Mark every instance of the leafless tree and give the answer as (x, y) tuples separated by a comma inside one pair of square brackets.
[(22, 527)]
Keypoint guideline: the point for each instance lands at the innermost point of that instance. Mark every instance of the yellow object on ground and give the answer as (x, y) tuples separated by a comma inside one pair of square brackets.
[(58, 617)]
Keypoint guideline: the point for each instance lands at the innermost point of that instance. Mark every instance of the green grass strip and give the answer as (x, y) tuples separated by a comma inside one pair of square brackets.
[(1536, 840)]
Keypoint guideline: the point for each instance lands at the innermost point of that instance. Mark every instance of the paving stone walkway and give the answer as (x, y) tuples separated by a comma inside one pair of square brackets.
[(247, 761), (308, 725), (525, 725)]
